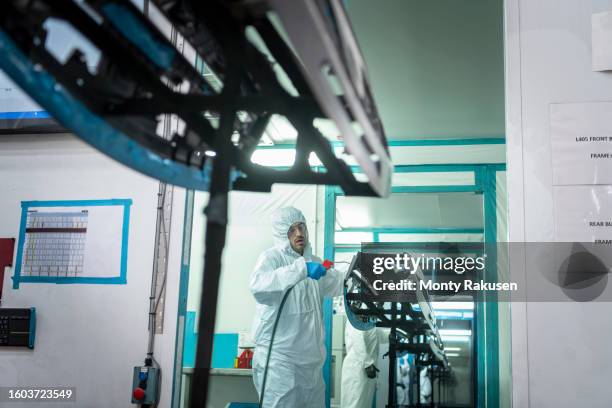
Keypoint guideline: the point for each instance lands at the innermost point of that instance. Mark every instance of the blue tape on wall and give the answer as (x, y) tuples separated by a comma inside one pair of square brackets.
[(189, 349), (225, 346), (121, 279)]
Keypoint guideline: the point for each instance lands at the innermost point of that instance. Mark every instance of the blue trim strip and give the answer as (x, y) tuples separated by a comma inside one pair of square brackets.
[(25, 115), (20, 243), (138, 34), (413, 143), (400, 230), (480, 335), (433, 168), (45, 90), (328, 252), (449, 142), (32, 338), (115, 280), (77, 203), (181, 340), (191, 339), (436, 189), (421, 246), (491, 305), (125, 228)]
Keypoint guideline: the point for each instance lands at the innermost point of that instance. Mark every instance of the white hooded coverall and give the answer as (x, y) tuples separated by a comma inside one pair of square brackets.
[(357, 390), (425, 386), (295, 375), (403, 378)]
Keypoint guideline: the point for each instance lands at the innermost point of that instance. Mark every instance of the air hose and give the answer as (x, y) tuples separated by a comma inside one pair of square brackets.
[(265, 376), (326, 264)]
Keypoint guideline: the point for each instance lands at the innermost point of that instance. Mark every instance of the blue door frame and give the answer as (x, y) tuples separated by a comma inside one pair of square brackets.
[(484, 183), (487, 374)]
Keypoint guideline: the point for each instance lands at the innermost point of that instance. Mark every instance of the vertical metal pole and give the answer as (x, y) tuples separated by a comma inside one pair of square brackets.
[(216, 225), (391, 396), (432, 379), (216, 229), (418, 379), (440, 386)]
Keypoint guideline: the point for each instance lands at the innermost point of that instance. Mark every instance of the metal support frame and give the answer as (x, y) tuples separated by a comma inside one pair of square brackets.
[(115, 108), (411, 330), (134, 84), (392, 392)]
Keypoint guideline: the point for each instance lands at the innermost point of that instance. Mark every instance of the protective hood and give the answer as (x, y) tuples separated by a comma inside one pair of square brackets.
[(282, 219)]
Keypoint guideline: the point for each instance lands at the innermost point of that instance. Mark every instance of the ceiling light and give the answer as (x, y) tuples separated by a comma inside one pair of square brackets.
[(450, 332), (457, 339), (274, 157), (452, 305)]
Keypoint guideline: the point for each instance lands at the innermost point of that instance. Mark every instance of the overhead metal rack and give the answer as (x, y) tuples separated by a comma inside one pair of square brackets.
[(117, 106), (412, 329)]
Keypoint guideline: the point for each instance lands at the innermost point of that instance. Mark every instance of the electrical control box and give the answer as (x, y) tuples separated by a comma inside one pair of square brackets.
[(145, 384), (17, 327)]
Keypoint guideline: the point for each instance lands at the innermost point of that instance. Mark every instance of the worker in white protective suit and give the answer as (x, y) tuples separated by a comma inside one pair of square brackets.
[(425, 386), (403, 380), (295, 375), (359, 369)]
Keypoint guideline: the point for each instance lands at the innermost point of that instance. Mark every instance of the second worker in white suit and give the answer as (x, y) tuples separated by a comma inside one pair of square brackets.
[(295, 375), (358, 368)]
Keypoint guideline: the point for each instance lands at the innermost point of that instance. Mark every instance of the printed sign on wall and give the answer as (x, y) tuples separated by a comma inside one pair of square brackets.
[(581, 143), (583, 214), (81, 241)]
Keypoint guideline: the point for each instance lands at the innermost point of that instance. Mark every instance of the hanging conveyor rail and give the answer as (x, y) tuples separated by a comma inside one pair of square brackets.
[(409, 317), (224, 107)]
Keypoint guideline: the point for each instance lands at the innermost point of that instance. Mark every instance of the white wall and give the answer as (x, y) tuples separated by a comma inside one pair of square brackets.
[(87, 336), (561, 355)]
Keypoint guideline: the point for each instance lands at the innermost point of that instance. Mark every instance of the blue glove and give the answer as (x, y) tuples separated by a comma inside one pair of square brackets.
[(315, 270)]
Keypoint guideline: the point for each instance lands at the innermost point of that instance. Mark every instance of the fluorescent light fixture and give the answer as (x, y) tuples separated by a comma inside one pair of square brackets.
[(449, 332), (362, 177), (313, 160), (281, 157), (457, 339), (210, 153), (440, 314), (452, 305), (274, 157), (352, 237), (452, 348), (452, 354), (280, 130)]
